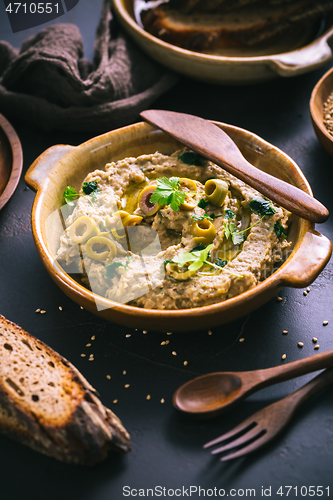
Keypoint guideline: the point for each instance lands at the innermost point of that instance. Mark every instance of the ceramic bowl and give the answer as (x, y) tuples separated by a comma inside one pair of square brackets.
[(289, 59), (64, 165), (11, 161), (319, 96)]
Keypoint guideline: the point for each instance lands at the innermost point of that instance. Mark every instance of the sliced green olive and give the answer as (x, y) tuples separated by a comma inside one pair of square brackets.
[(189, 184), (100, 248), (204, 230), (216, 191), (131, 220), (82, 229), (179, 273), (189, 203), (145, 204)]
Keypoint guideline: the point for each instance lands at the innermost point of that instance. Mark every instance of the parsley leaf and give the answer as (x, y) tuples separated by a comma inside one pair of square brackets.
[(221, 263), (203, 203), (89, 187), (238, 238), (197, 258), (70, 194), (229, 214), (192, 158), (280, 231), (202, 217), (168, 261), (262, 206), (111, 269), (168, 193)]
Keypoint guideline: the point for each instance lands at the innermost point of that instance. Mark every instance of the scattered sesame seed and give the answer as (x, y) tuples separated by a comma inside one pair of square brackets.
[(279, 299), (93, 337), (115, 401), (148, 397), (144, 332), (124, 372), (83, 355), (81, 307), (317, 346), (126, 386), (43, 312), (88, 345), (163, 343), (284, 356), (300, 344), (128, 335), (174, 353), (325, 322), (285, 332), (167, 342), (108, 377), (308, 289), (314, 339), (169, 333), (305, 293), (37, 311), (241, 339), (209, 332), (185, 363), (60, 308), (162, 400)]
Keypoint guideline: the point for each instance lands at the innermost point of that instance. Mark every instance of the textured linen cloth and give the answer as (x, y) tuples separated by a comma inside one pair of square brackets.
[(51, 84)]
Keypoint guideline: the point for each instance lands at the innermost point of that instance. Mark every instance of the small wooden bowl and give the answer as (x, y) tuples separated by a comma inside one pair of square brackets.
[(319, 96), (64, 165), (11, 160)]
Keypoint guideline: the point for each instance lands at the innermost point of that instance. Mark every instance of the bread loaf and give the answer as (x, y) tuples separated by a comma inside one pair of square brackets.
[(47, 404)]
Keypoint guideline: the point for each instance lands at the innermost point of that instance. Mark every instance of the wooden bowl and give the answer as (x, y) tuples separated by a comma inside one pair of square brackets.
[(241, 66), (11, 161), (62, 165), (319, 96)]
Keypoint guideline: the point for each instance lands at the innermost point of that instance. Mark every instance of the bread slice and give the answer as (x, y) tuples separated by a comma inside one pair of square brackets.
[(47, 404), (249, 25)]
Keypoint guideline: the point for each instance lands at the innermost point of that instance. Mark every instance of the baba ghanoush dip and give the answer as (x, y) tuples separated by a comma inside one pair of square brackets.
[(170, 232)]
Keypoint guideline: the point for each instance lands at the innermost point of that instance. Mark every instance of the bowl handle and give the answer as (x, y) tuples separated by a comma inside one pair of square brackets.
[(38, 171), (298, 61), (308, 262)]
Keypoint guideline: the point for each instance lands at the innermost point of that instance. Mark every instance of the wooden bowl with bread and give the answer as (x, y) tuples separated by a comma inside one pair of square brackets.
[(298, 50), (319, 96), (63, 165)]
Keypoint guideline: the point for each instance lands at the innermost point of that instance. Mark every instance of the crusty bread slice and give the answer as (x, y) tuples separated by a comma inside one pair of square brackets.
[(47, 404), (247, 26)]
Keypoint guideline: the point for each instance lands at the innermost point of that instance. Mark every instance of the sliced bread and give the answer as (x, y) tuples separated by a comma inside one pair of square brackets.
[(47, 404)]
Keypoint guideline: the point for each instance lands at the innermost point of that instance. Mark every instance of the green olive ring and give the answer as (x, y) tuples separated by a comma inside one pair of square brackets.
[(185, 182), (100, 242), (177, 273), (131, 220), (145, 204), (204, 230), (216, 191), (82, 229)]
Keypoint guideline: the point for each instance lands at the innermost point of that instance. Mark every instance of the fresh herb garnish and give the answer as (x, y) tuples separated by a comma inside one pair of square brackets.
[(191, 158), (197, 248), (168, 261), (168, 193), (221, 263), (203, 203), (280, 231), (197, 258), (202, 217), (89, 187), (111, 269), (70, 194), (229, 214), (262, 206)]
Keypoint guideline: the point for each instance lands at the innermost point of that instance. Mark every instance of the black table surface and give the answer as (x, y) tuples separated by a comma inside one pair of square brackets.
[(167, 447)]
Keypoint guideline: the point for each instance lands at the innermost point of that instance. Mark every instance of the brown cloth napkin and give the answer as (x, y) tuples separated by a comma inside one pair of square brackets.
[(51, 84)]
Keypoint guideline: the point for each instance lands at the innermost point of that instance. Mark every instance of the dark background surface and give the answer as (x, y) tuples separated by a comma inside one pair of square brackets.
[(167, 447)]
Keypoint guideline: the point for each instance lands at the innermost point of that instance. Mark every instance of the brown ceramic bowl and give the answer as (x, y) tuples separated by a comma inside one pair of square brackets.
[(300, 53), (11, 161), (62, 165), (319, 95)]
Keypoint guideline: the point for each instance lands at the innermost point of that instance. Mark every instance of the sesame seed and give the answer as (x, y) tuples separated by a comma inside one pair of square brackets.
[(308, 289), (185, 363), (128, 335), (37, 311), (83, 355), (174, 353), (317, 346), (43, 312), (144, 332), (115, 401), (325, 322), (81, 307), (93, 337), (300, 344), (279, 299), (60, 308), (167, 342), (88, 345), (108, 377), (163, 343), (305, 293), (169, 333), (284, 356), (241, 339), (314, 339), (148, 397), (162, 400), (285, 332), (126, 386), (209, 332), (124, 372)]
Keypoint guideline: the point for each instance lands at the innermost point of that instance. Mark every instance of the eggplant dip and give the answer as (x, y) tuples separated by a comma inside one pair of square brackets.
[(170, 232)]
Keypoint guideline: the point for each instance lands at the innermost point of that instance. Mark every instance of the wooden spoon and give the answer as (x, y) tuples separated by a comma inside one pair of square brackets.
[(213, 143), (215, 393)]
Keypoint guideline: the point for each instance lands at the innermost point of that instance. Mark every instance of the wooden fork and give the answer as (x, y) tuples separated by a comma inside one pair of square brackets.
[(267, 423)]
